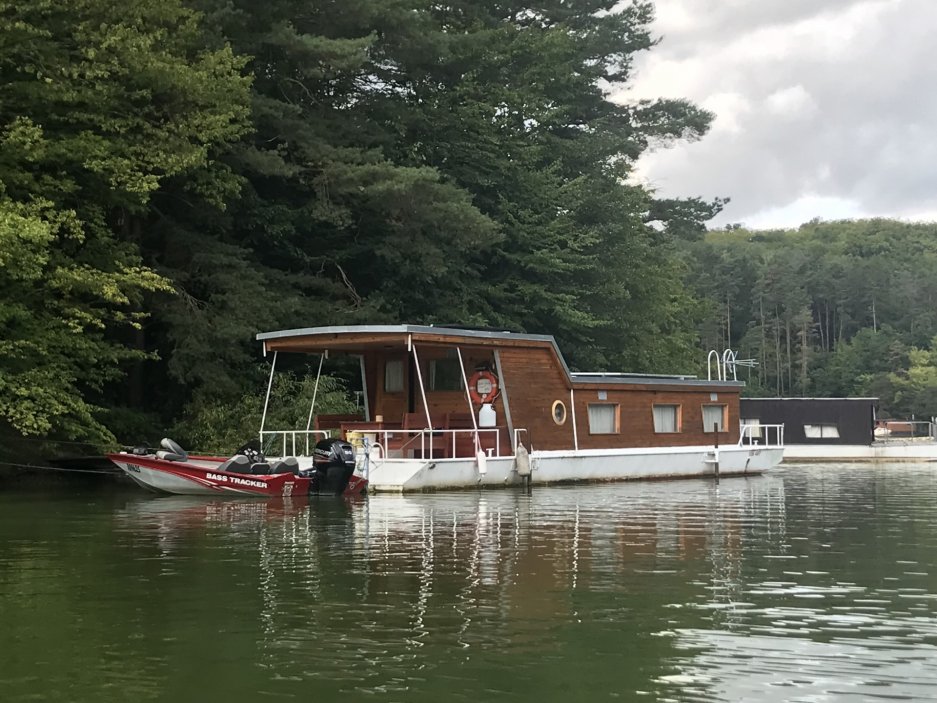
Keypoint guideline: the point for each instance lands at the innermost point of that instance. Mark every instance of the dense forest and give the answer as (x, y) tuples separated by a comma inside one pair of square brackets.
[(830, 309), (177, 175)]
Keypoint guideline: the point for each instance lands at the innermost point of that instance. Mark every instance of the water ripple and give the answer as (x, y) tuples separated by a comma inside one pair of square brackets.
[(812, 583)]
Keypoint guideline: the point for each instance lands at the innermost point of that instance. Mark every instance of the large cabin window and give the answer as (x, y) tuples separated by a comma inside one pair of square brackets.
[(667, 418), (603, 418), (445, 375), (393, 376), (715, 416), (821, 431)]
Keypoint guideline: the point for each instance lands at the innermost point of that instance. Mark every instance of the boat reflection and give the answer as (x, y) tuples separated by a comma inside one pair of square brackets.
[(553, 537), (174, 520), (560, 539), (358, 593)]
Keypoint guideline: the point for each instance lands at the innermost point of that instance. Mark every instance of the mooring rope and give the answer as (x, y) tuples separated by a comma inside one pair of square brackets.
[(55, 468)]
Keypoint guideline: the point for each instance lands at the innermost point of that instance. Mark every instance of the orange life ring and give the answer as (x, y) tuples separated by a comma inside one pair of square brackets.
[(483, 387)]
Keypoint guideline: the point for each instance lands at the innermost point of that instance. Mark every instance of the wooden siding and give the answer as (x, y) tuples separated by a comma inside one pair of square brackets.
[(534, 378), (534, 382)]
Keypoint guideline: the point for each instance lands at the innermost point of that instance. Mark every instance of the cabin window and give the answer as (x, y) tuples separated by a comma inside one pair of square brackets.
[(603, 418), (714, 416), (667, 418), (821, 431), (393, 376), (559, 412), (445, 375), (754, 427)]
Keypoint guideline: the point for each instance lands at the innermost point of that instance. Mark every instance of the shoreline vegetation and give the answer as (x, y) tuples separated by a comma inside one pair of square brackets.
[(177, 176)]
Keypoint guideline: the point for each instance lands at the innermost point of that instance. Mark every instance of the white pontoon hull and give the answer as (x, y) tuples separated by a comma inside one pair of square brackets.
[(569, 466)]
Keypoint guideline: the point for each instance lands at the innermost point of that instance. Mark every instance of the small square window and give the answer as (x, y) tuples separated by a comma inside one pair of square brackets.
[(603, 418), (666, 418), (714, 416)]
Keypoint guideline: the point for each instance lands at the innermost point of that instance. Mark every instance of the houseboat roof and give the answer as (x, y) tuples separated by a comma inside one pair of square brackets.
[(814, 399), (354, 339)]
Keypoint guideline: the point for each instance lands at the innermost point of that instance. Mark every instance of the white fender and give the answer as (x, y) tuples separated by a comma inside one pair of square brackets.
[(482, 460), (522, 461)]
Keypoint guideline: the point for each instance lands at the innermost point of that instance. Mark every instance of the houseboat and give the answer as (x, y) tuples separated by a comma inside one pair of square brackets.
[(454, 408), (840, 429)]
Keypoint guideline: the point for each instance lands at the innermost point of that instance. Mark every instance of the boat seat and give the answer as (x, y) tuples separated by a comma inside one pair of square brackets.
[(238, 464), (171, 451), (260, 468), (289, 465)]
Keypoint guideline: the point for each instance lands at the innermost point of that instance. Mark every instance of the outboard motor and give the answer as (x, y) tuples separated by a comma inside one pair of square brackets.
[(333, 463)]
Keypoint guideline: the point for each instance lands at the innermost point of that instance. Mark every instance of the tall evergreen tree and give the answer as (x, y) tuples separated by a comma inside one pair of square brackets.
[(324, 227), (512, 101), (100, 102)]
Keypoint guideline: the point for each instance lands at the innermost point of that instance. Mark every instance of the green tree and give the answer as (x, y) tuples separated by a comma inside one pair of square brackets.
[(513, 103), (913, 392), (325, 228), (100, 103), (459, 163)]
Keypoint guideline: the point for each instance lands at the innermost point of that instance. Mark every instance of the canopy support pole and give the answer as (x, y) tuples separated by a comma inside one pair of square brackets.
[(263, 418), (315, 390), (468, 398)]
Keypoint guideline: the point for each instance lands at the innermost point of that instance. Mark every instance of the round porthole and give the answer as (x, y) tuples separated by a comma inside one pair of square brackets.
[(559, 412)]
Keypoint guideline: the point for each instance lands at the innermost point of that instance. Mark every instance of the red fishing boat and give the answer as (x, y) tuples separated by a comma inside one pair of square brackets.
[(331, 470)]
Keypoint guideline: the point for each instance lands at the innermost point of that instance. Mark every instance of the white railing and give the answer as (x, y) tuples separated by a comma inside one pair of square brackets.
[(289, 444), (429, 444), (761, 436)]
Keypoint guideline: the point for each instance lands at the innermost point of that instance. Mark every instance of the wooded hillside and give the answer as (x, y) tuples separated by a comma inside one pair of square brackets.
[(830, 309)]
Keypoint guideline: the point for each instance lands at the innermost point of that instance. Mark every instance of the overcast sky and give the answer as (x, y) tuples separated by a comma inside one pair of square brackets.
[(824, 108)]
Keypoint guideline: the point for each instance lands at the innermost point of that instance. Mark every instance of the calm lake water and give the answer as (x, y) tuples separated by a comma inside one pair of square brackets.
[(811, 583)]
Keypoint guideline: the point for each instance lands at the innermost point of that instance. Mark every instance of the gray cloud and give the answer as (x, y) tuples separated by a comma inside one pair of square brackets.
[(823, 108)]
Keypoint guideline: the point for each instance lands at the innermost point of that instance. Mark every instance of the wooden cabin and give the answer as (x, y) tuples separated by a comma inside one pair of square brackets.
[(415, 378)]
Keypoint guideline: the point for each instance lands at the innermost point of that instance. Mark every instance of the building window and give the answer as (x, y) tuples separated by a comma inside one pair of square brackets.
[(445, 375), (753, 427), (714, 416), (667, 418), (603, 418), (821, 431), (393, 376), (559, 412)]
